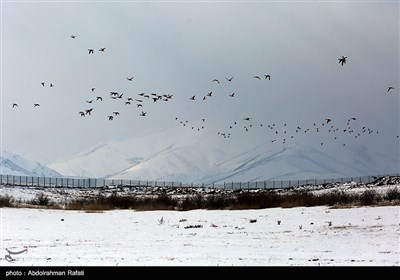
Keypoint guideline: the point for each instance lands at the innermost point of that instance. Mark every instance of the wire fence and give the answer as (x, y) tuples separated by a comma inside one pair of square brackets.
[(15, 180)]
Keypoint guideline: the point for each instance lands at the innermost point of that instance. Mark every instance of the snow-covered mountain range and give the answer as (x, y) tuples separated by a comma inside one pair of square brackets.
[(171, 156), (13, 164)]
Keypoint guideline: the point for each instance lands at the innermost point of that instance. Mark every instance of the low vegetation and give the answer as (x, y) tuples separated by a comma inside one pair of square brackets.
[(243, 200)]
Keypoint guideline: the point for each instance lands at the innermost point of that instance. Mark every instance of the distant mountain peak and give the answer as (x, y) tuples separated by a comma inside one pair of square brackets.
[(13, 164)]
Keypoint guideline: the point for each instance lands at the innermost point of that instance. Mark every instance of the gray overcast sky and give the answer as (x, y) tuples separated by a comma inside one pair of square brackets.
[(179, 48)]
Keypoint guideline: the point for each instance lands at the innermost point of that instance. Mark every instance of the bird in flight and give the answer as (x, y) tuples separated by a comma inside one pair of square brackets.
[(143, 114), (91, 51), (246, 119), (130, 79), (42, 83), (192, 98), (110, 118), (116, 113), (215, 80), (231, 95), (389, 88), (93, 89), (257, 77), (73, 36), (15, 105), (88, 111), (328, 120), (267, 77), (82, 113), (229, 79), (102, 49), (36, 105), (99, 98), (342, 60), (51, 85), (89, 101)]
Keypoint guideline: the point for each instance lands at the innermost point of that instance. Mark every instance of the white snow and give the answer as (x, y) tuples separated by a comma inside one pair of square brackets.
[(173, 155), (13, 164), (312, 236)]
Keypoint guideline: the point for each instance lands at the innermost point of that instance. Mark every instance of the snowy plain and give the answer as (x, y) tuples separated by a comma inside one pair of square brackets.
[(301, 236)]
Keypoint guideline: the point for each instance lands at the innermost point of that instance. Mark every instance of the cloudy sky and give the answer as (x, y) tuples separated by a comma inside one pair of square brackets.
[(178, 48)]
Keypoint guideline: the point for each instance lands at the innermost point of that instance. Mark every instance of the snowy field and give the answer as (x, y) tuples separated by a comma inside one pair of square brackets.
[(303, 236)]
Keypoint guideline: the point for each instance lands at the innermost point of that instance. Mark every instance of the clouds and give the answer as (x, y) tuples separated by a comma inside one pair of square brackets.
[(178, 48)]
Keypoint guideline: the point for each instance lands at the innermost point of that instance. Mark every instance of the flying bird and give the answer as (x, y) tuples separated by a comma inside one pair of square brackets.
[(130, 79), (192, 98), (342, 60), (116, 113), (389, 88), (229, 79), (328, 120), (143, 114), (246, 119), (36, 105), (257, 77), (102, 49), (231, 95), (91, 51), (99, 98), (42, 83), (73, 36), (51, 85), (82, 113), (15, 105), (267, 77), (215, 80), (110, 118), (93, 89)]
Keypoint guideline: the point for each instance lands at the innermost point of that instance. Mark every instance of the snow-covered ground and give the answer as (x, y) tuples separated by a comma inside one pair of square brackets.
[(301, 236), (306, 236)]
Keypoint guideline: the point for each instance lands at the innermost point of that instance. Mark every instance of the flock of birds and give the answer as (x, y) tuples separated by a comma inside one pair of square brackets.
[(282, 132)]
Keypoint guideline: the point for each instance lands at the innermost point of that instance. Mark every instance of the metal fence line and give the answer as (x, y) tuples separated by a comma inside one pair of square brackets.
[(32, 181)]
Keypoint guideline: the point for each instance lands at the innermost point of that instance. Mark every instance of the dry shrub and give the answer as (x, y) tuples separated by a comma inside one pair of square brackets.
[(6, 201), (392, 194), (41, 199), (369, 197), (257, 201)]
